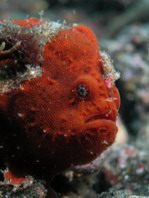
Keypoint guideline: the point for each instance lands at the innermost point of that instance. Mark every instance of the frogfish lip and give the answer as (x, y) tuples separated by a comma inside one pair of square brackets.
[(95, 117), (101, 123), (102, 127)]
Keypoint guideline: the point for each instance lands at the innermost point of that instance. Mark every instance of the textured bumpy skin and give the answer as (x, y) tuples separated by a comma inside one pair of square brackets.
[(46, 125)]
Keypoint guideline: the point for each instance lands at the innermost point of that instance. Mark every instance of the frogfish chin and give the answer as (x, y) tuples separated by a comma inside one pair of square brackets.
[(58, 99)]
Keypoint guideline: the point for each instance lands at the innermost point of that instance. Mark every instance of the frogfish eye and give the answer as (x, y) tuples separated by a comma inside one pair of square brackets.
[(82, 91)]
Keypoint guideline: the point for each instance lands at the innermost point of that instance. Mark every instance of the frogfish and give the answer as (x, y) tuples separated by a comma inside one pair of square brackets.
[(58, 98)]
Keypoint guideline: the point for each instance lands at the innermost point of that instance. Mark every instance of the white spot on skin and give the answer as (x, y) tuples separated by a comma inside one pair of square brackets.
[(21, 115), (105, 142), (32, 73), (21, 87), (109, 113), (111, 99), (2, 46)]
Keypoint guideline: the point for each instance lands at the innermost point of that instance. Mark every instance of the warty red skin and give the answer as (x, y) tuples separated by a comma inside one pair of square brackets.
[(45, 127)]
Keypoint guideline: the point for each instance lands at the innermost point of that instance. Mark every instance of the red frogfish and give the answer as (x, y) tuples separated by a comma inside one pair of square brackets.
[(58, 99)]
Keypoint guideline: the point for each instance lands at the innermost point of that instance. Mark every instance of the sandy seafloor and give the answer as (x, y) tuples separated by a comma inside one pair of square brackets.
[(122, 27)]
